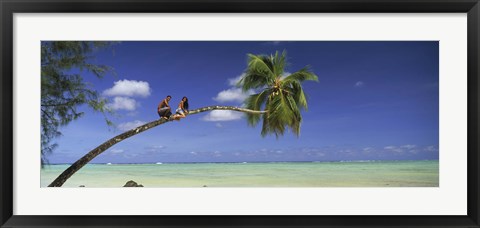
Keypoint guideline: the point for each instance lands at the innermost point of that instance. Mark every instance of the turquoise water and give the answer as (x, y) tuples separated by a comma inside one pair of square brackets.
[(287, 174)]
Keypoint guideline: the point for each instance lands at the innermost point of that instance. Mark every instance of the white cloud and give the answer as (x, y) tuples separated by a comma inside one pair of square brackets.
[(128, 156), (134, 113), (232, 94), (222, 115), (218, 125), (117, 151), (155, 148), (394, 149), (193, 153), (130, 125), (234, 81), (359, 84), (408, 147), (129, 88), (368, 150), (124, 103)]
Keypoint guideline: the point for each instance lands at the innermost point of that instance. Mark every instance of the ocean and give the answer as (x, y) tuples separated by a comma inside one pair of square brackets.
[(272, 174)]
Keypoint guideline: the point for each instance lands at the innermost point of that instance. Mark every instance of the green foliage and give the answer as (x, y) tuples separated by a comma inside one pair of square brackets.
[(63, 88), (281, 95)]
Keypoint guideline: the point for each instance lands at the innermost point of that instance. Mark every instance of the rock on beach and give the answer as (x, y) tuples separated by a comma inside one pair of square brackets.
[(132, 183)]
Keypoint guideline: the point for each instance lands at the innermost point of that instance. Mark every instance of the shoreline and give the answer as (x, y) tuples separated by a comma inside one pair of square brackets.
[(254, 162)]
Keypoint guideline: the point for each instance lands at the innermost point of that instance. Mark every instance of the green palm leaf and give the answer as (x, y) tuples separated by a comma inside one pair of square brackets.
[(303, 74), (279, 63), (255, 102), (296, 91), (258, 73)]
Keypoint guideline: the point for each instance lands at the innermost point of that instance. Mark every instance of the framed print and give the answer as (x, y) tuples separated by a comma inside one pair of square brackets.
[(255, 114)]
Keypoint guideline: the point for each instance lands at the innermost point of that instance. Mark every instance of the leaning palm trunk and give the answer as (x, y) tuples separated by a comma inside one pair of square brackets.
[(109, 143)]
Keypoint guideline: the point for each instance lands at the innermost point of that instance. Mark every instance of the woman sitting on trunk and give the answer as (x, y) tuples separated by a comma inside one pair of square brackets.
[(182, 109)]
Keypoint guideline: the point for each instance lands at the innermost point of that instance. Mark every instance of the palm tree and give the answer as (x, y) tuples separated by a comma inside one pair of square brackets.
[(283, 97), (281, 93)]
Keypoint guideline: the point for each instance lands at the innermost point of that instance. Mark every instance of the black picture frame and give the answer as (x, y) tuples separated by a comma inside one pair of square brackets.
[(10, 7)]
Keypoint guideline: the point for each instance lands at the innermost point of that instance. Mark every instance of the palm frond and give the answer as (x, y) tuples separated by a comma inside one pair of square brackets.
[(265, 124), (296, 91), (280, 114), (296, 121), (280, 63), (258, 74), (255, 102), (252, 81), (269, 62), (303, 74), (260, 64)]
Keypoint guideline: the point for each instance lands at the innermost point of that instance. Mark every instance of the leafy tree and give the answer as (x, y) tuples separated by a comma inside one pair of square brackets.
[(281, 96), (63, 89)]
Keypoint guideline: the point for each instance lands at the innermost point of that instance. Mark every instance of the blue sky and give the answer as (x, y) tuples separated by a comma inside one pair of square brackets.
[(373, 101)]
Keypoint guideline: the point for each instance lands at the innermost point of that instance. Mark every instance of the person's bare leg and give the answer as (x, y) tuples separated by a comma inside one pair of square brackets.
[(176, 117)]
